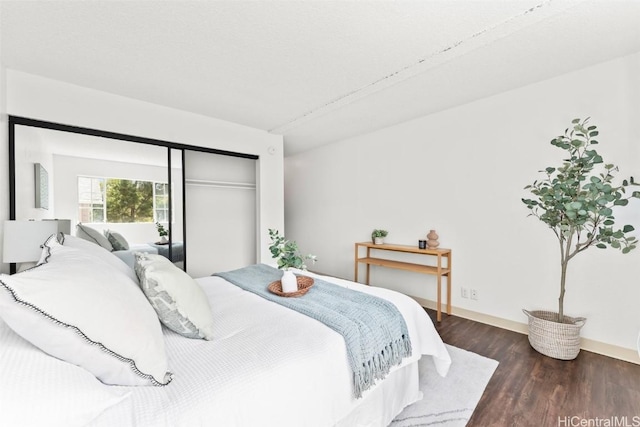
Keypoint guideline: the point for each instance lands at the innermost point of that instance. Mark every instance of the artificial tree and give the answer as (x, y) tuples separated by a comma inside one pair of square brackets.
[(578, 200)]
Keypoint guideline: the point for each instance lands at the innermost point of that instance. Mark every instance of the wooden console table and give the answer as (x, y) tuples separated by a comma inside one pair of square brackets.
[(439, 270)]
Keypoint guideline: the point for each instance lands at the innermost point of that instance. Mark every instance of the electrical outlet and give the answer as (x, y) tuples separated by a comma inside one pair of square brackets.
[(474, 294), (464, 292)]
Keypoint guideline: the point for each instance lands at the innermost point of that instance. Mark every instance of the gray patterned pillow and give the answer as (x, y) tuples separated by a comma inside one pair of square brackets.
[(179, 301), (117, 240)]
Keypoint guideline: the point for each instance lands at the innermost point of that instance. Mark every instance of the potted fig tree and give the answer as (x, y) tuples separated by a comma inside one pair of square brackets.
[(577, 201)]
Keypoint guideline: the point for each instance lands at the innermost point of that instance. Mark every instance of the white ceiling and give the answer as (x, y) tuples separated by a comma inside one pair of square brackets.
[(313, 71)]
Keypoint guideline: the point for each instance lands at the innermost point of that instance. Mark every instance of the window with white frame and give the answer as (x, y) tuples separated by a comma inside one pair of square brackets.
[(114, 200)]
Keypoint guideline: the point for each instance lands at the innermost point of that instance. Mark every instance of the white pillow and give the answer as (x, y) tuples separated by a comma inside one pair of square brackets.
[(78, 309), (93, 235), (99, 252), (180, 302), (39, 390)]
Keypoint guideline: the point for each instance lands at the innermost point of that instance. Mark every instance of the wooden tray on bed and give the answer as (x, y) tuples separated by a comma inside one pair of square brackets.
[(304, 284)]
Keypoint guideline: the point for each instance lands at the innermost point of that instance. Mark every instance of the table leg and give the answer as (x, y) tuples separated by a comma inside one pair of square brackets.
[(449, 284), (355, 275), (368, 265), (439, 315)]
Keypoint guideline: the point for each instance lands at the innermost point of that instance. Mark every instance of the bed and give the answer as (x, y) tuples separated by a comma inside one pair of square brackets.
[(261, 364)]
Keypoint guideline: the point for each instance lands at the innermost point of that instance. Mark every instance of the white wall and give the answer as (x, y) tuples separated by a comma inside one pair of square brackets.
[(4, 150), (45, 99), (34, 150), (462, 172)]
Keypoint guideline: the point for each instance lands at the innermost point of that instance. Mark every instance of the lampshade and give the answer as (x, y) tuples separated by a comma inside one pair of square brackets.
[(22, 239)]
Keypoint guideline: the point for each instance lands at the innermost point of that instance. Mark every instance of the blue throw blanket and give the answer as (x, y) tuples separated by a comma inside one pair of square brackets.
[(374, 331)]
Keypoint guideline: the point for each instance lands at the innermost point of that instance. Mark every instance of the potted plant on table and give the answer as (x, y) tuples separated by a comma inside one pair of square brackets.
[(162, 232), (288, 256), (378, 236), (577, 202)]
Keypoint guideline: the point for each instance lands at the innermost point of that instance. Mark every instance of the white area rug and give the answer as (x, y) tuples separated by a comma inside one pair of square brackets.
[(449, 401)]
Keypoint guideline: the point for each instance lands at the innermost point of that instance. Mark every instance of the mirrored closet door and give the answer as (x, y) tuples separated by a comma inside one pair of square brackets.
[(135, 186)]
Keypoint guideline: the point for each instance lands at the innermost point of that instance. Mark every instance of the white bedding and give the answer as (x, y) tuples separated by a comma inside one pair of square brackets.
[(267, 366)]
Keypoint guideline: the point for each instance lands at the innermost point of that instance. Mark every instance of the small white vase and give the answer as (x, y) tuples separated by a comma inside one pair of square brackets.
[(289, 281), (163, 239)]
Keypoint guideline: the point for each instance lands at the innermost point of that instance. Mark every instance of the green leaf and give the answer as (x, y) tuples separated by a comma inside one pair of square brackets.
[(626, 250), (615, 244), (575, 121), (606, 212), (601, 246), (621, 202), (627, 228), (594, 133)]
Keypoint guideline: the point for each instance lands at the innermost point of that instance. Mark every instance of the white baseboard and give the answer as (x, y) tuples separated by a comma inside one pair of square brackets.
[(610, 350)]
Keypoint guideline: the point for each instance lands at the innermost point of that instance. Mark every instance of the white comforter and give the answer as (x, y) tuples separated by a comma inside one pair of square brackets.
[(270, 366)]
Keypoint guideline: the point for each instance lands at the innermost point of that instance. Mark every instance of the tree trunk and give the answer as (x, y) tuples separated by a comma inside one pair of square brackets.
[(563, 277), (565, 248)]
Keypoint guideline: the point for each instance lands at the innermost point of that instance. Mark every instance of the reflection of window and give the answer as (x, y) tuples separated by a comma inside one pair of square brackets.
[(91, 199), (161, 201), (122, 200)]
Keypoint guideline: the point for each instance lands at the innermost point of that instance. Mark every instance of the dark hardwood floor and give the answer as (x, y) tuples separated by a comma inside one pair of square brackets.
[(529, 389)]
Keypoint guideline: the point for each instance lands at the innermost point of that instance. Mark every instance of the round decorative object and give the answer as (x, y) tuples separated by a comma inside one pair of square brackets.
[(304, 284), (378, 240), (432, 240), (554, 339)]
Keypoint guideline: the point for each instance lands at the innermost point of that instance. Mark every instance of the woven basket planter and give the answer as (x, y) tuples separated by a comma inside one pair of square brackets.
[(554, 339)]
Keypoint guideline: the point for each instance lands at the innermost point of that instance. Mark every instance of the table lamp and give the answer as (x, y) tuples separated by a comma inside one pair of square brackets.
[(22, 240)]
